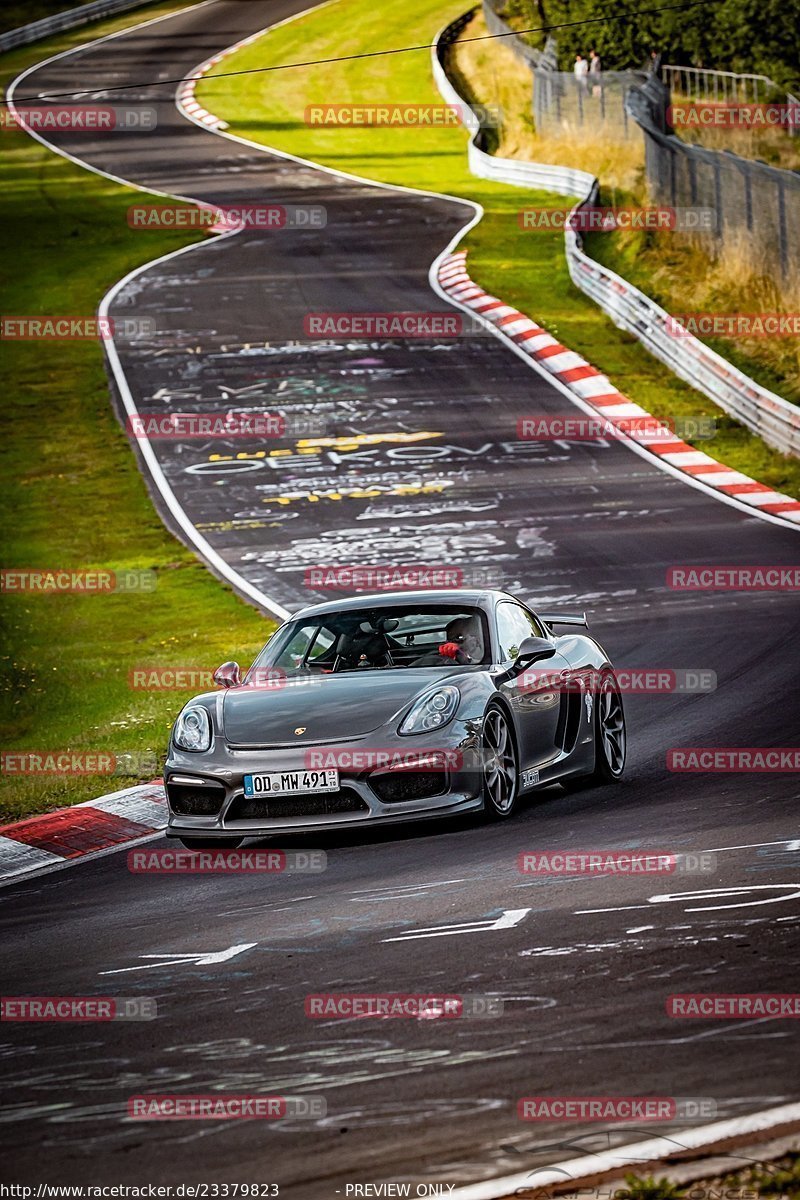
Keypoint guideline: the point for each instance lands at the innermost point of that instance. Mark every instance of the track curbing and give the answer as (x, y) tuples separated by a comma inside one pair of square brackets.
[(592, 387), (69, 835)]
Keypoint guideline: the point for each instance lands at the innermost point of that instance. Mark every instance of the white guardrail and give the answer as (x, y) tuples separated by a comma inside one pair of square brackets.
[(71, 18), (761, 411)]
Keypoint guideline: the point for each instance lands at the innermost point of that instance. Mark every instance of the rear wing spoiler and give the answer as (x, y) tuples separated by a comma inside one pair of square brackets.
[(550, 619)]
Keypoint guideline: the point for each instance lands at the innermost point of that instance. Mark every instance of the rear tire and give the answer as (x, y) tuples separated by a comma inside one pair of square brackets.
[(201, 843), (498, 765), (610, 739)]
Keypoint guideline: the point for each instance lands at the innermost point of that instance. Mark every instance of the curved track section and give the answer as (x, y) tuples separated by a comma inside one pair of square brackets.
[(586, 972)]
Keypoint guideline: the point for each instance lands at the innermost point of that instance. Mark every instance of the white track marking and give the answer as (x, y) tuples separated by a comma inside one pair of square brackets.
[(201, 545), (202, 958), (510, 918), (80, 162), (789, 843), (398, 891), (653, 460), (718, 893), (627, 1156), (193, 536), (722, 892)]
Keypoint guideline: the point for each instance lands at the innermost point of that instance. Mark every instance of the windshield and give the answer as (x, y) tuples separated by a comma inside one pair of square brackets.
[(379, 638)]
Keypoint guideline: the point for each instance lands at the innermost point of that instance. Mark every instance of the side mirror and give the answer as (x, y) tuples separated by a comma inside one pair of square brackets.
[(228, 675), (532, 649)]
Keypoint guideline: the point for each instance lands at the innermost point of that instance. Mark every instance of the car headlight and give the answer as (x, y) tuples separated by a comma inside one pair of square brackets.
[(192, 730), (431, 711)]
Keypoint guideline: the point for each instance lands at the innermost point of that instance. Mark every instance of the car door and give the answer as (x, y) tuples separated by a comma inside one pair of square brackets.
[(537, 696)]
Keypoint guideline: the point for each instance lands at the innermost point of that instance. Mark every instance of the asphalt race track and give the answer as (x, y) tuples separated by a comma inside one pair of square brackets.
[(586, 969)]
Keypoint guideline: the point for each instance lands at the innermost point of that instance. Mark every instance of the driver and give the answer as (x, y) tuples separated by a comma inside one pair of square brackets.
[(463, 644)]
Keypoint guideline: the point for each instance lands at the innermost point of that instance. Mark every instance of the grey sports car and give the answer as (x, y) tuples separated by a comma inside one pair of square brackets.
[(394, 707)]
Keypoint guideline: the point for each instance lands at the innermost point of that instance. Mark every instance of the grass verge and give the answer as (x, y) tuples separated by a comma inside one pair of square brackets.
[(527, 270), (777, 1178), (74, 497), (682, 273)]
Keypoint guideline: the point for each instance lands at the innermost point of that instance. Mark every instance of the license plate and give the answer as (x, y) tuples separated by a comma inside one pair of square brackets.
[(288, 783)]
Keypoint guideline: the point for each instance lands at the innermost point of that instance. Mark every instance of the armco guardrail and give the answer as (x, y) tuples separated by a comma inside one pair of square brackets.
[(560, 101), (71, 18), (566, 181), (763, 412)]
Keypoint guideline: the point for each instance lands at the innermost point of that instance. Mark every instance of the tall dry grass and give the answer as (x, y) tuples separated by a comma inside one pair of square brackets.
[(772, 145), (493, 74), (686, 274), (728, 277)]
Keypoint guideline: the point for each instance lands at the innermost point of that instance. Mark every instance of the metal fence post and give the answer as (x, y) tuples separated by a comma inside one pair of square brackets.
[(783, 232), (718, 197), (763, 411)]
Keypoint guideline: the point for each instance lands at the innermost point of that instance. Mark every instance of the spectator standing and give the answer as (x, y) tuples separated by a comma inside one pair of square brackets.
[(581, 70), (595, 70)]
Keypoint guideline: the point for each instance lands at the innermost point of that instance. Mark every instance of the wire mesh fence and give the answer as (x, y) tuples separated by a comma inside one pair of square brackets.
[(760, 410), (752, 200), (718, 87), (565, 102), (529, 54), (705, 86)]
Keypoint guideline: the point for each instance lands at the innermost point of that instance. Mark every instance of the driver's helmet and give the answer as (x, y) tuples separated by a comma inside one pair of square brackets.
[(467, 633)]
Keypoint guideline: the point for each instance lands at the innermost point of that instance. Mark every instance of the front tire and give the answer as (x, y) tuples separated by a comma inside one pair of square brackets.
[(610, 738), (498, 765), (201, 843)]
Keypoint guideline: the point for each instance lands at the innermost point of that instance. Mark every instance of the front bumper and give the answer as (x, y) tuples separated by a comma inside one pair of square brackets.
[(455, 787)]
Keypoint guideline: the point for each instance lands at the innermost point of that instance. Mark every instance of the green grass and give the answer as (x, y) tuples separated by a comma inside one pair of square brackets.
[(647, 1187), (683, 274), (525, 269), (73, 495), (780, 1177)]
